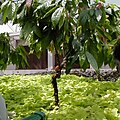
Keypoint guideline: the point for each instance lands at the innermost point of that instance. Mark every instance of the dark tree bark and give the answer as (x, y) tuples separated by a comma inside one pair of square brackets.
[(54, 79), (54, 83), (58, 69), (116, 54)]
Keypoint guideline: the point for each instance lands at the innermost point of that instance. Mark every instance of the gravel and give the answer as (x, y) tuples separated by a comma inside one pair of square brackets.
[(105, 74)]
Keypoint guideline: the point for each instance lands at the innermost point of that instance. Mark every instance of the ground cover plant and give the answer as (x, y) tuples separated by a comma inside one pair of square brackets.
[(80, 98), (68, 28)]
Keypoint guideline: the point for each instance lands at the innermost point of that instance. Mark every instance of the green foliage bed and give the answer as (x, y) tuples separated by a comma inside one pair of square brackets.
[(80, 98)]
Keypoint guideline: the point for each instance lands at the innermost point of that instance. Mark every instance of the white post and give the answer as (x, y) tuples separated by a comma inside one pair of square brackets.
[(50, 60)]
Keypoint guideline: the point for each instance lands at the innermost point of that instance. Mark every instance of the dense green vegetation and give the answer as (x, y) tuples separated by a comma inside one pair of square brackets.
[(68, 27), (80, 98)]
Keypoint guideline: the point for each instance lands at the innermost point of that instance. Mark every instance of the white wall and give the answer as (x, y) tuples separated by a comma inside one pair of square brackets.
[(117, 2)]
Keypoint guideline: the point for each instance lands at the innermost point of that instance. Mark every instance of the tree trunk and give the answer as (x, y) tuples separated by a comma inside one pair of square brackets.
[(58, 69), (54, 83)]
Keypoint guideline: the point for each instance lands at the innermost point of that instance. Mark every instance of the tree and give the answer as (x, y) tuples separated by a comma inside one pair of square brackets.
[(81, 30)]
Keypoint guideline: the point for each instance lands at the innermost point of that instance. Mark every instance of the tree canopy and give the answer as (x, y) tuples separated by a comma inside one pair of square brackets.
[(83, 31)]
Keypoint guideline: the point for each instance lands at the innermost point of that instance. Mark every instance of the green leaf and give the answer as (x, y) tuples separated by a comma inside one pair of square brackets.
[(107, 35), (82, 59), (23, 53), (73, 3), (66, 25), (103, 33), (6, 11), (20, 8), (13, 57), (61, 22), (26, 30), (10, 12), (79, 30), (86, 64), (38, 47), (84, 16), (91, 12), (103, 18), (4, 4), (49, 12), (108, 26), (37, 31), (5, 14), (103, 1), (92, 61), (56, 16), (1, 20), (1, 46), (100, 31), (85, 2), (100, 59), (98, 112), (98, 12)]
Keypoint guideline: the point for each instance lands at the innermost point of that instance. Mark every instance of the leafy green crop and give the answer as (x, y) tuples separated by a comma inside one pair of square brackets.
[(80, 98)]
